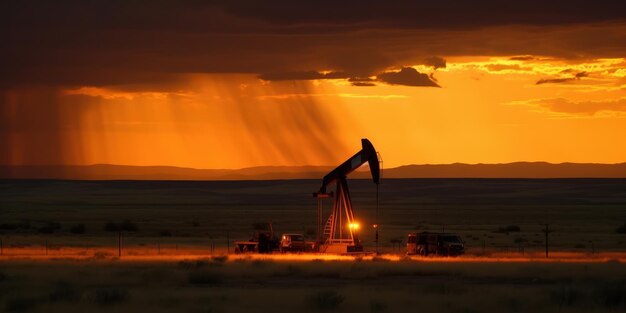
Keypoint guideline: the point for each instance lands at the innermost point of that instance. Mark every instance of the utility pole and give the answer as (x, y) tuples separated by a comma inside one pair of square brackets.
[(547, 231)]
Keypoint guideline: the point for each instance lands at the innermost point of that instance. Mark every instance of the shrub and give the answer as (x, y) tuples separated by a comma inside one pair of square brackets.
[(110, 226), (325, 300), (9, 226), (520, 240), (45, 230), (165, 233), (78, 229), (126, 225), (611, 295), (20, 304), (110, 296), (377, 306), (203, 277), (63, 291), (508, 229), (513, 228), (565, 296), (23, 225), (49, 228)]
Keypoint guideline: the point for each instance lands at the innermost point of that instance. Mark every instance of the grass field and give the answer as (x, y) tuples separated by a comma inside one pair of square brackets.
[(221, 285), (501, 215), (175, 236)]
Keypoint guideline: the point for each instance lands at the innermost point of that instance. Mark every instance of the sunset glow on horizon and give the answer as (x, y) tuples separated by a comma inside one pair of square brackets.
[(297, 92)]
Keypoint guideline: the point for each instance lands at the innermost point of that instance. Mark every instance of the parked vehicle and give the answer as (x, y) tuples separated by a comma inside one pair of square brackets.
[(261, 242), (292, 243), (427, 243), (265, 241)]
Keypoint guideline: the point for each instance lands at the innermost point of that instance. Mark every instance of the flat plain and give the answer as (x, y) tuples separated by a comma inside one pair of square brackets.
[(501, 220)]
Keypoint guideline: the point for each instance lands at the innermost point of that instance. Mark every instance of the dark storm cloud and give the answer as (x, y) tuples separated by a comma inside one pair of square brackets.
[(362, 81), (577, 76), (149, 45), (363, 84), (407, 76), (305, 75), (435, 62), (429, 14)]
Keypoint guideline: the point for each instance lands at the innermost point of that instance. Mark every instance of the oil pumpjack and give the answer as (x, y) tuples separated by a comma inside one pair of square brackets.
[(340, 232)]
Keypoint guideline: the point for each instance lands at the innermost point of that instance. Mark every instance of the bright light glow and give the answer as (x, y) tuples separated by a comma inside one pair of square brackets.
[(354, 226)]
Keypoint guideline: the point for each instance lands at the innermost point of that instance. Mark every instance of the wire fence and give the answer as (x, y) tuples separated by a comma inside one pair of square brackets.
[(122, 244)]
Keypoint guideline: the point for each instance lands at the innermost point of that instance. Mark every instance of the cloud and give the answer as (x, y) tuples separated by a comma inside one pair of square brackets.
[(436, 62), (362, 81), (504, 67), (441, 14), (407, 76), (524, 58), (566, 107), (303, 75), (123, 43), (581, 75), (363, 84), (577, 76)]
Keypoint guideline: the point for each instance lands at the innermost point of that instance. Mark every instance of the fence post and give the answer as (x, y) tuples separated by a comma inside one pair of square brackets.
[(593, 248), (119, 244), (547, 231), (483, 246), (227, 242)]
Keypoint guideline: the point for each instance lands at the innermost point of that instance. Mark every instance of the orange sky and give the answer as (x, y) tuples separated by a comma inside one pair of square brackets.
[(489, 110), (238, 84)]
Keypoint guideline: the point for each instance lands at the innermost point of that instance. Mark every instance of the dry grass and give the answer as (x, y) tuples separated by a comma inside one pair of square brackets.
[(163, 273), (343, 286)]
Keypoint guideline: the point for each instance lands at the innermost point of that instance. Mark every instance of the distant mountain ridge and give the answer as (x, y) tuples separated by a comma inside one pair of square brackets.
[(455, 170)]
